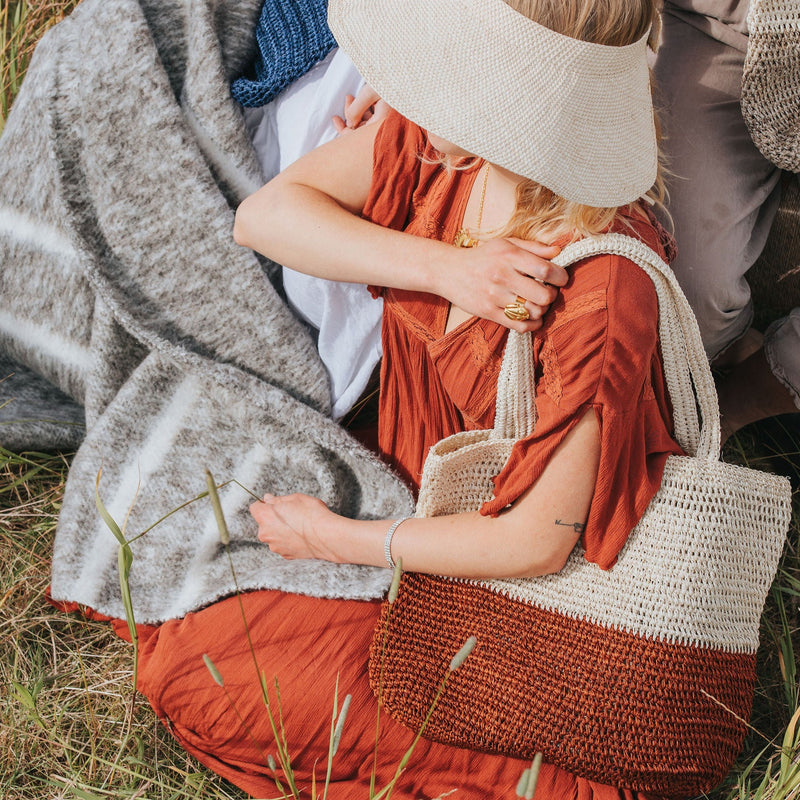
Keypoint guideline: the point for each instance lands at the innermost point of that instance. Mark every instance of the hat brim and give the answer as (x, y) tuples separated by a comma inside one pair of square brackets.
[(574, 116)]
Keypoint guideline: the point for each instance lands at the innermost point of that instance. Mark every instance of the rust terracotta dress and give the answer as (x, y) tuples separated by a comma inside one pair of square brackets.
[(598, 349)]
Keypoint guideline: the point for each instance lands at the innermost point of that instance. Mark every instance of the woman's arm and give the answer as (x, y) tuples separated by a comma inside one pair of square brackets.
[(533, 537), (308, 218)]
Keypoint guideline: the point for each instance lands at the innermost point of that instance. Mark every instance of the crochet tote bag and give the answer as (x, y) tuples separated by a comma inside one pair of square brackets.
[(640, 676), (771, 81)]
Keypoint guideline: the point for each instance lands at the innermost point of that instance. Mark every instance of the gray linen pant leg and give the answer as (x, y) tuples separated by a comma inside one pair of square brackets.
[(723, 193), (782, 346)]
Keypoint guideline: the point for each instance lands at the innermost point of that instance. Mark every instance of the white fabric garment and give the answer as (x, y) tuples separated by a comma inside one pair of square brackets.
[(346, 316)]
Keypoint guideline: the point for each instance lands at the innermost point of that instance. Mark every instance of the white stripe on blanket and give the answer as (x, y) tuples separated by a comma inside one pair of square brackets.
[(22, 228), (154, 450), (50, 343)]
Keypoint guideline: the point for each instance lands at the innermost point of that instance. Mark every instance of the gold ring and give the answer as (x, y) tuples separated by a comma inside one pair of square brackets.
[(517, 310)]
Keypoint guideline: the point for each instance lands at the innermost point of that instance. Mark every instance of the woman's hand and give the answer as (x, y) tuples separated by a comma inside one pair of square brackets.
[(292, 525), (364, 108), (483, 280)]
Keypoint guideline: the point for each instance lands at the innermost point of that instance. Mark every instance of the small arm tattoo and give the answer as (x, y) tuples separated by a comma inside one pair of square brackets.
[(578, 527)]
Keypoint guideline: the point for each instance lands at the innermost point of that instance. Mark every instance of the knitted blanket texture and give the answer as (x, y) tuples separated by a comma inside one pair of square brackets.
[(133, 328)]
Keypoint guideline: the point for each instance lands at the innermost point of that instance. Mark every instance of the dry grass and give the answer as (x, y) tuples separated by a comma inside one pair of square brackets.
[(766, 768), (65, 682), (22, 24)]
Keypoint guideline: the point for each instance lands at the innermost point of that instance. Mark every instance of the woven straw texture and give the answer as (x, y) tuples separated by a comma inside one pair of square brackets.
[(449, 64), (621, 660), (771, 81), (609, 706)]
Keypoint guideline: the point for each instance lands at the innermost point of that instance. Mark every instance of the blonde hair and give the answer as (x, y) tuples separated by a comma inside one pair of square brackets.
[(540, 213)]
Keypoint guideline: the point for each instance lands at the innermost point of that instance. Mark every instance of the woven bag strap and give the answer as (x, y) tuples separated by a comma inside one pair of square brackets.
[(515, 411), (686, 366)]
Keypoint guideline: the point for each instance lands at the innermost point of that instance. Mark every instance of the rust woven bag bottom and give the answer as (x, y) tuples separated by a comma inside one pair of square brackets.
[(639, 676)]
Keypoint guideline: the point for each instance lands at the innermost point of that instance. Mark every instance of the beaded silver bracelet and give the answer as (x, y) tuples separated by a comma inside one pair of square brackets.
[(387, 542)]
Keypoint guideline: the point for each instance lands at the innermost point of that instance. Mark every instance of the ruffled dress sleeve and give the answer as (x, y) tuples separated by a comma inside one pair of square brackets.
[(396, 168), (395, 174), (598, 352)]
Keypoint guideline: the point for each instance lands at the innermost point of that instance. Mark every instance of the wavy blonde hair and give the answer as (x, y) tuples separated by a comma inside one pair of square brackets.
[(540, 213)]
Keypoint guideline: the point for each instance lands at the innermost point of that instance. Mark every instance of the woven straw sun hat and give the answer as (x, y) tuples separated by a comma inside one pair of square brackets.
[(574, 116)]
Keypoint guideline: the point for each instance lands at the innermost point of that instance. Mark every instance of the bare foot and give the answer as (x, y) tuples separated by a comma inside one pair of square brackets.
[(750, 392)]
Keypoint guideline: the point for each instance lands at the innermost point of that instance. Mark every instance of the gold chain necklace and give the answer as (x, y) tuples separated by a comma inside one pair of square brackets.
[(463, 237)]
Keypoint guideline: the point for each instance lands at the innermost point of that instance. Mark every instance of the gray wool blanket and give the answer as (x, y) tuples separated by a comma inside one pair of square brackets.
[(133, 328)]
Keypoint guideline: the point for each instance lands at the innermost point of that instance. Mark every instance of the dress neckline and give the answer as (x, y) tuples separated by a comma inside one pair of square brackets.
[(454, 222)]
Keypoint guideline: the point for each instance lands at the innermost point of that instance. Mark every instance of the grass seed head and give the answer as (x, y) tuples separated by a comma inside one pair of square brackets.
[(337, 732), (461, 656), (212, 668), (533, 776), (222, 526), (522, 785), (395, 587)]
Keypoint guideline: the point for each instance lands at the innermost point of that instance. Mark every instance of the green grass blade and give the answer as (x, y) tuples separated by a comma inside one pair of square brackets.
[(110, 522)]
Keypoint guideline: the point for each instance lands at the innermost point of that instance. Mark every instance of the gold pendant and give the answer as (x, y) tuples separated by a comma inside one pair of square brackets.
[(463, 239)]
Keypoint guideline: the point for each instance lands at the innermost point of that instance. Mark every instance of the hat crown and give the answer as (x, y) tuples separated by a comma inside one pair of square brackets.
[(572, 115)]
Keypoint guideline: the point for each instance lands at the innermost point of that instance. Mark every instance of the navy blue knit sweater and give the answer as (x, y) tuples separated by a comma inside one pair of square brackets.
[(292, 36)]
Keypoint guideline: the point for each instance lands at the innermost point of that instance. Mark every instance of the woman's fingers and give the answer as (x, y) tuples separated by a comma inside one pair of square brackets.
[(288, 524), (356, 108), (507, 272), (540, 266), (365, 108), (379, 111), (536, 293), (341, 123)]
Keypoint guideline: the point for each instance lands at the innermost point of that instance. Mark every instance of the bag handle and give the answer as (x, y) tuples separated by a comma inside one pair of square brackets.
[(686, 367)]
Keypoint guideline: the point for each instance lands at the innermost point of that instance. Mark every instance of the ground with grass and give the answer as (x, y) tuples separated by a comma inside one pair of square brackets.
[(69, 726)]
